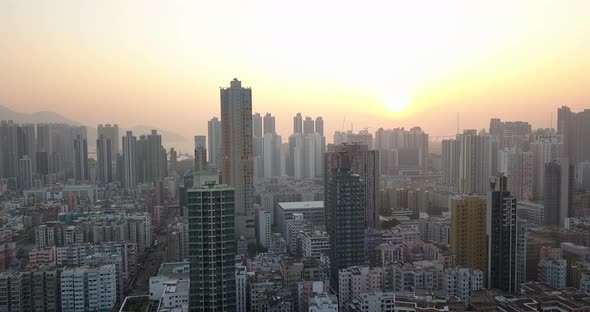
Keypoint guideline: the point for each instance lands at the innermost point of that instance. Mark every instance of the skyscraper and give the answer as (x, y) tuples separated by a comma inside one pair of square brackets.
[(271, 153), (110, 132), (212, 248), (269, 123), (345, 200), (475, 162), (451, 154), (558, 194), (308, 126), (546, 147), (237, 153), (25, 173), (130, 161), (105, 163), (363, 162), (298, 123), (9, 149), (468, 231), (257, 125), (200, 153), (319, 125), (44, 138), (518, 168), (402, 150), (214, 143), (575, 129), (141, 151), (173, 160), (81, 172), (154, 157), (510, 134), (29, 143), (506, 262)]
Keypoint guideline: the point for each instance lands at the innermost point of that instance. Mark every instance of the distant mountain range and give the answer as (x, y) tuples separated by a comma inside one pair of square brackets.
[(38, 117), (53, 117)]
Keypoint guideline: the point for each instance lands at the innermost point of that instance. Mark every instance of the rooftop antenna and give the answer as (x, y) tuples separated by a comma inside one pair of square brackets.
[(457, 122), (551, 121)]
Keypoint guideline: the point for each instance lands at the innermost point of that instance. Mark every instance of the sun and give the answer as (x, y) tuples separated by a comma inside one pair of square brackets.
[(397, 103)]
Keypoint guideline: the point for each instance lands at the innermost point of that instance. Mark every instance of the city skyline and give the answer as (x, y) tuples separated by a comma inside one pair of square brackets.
[(306, 156), (521, 70)]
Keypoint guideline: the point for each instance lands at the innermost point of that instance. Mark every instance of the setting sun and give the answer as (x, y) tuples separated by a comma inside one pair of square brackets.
[(397, 103)]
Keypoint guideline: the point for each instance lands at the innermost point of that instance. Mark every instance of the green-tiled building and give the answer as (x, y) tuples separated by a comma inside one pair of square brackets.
[(212, 248)]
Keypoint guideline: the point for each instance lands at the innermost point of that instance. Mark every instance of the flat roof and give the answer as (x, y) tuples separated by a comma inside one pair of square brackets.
[(302, 205)]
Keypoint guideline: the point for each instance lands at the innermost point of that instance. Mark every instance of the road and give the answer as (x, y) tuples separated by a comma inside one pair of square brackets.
[(149, 263)]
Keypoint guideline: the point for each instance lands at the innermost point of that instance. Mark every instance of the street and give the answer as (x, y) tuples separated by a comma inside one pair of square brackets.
[(149, 262)]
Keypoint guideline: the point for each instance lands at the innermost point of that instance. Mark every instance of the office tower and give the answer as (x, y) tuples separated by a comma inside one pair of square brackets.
[(269, 124), (129, 160), (546, 146), (308, 126), (256, 125), (517, 166), (200, 141), (506, 265), (9, 152), (365, 163), (89, 288), (583, 176), (558, 194), (44, 138), (173, 161), (475, 162), (200, 153), (154, 157), (263, 228), (468, 231), (29, 143), (163, 162), (110, 132), (105, 163), (119, 173), (237, 153), (362, 137), (214, 144), (305, 156), (271, 154), (451, 154), (141, 152), (81, 172), (25, 173), (258, 157), (42, 160), (212, 248), (511, 134), (319, 125), (402, 151), (298, 123), (575, 129), (345, 201)]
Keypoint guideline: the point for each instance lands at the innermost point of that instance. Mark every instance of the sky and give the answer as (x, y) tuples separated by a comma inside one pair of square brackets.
[(359, 64)]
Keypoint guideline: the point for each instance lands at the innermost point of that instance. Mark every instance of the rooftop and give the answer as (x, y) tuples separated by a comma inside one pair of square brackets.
[(302, 205)]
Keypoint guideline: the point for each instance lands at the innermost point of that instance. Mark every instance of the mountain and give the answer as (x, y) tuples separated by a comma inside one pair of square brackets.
[(53, 117), (167, 136), (38, 117)]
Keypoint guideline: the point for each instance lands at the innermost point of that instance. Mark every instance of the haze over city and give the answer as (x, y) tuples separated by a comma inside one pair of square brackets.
[(387, 63), (302, 156)]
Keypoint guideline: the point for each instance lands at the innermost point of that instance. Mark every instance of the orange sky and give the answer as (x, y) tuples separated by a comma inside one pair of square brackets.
[(375, 63)]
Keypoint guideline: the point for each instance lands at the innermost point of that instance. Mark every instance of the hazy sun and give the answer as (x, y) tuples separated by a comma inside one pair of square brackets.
[(397, 103)]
